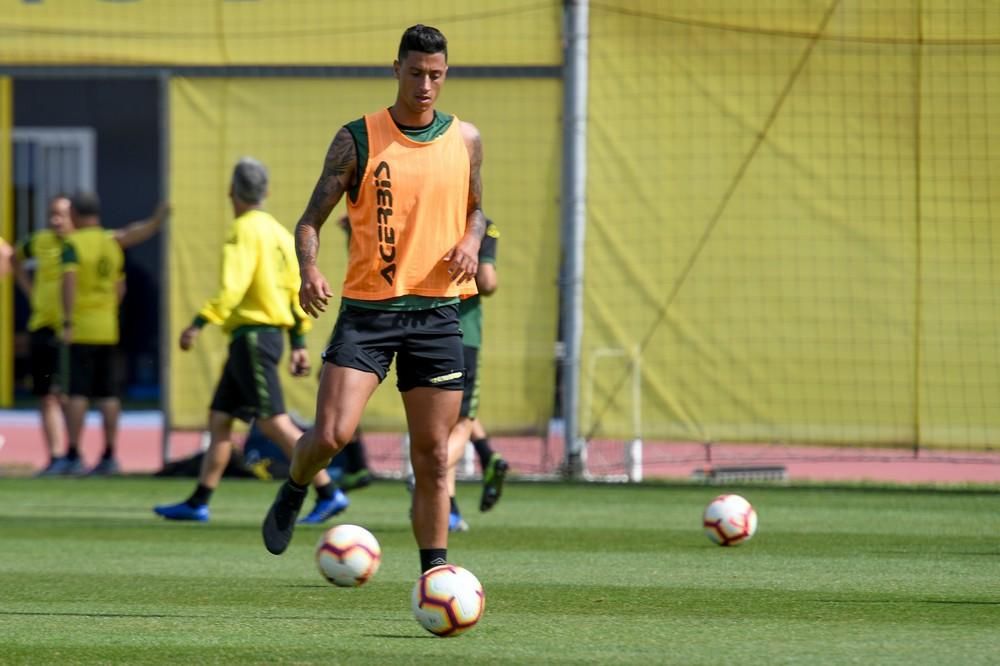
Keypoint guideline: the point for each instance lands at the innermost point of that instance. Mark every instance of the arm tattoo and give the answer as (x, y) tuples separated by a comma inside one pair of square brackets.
[(476, 219), (338, 170)]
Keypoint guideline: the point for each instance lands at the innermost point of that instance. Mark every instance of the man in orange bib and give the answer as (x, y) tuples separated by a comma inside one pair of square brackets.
[(414, 197)]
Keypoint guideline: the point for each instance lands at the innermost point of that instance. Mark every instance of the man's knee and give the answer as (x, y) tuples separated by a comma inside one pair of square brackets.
[(50, 401), (220, 426), (332, 438), (430, 461)]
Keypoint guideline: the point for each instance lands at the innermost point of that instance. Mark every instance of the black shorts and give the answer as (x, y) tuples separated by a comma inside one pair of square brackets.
[(94, 371), (47, 358), (427, 344), (470, 392), (249, 386)]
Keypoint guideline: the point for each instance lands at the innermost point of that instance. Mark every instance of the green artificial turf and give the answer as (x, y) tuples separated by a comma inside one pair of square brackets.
[(573, 574)]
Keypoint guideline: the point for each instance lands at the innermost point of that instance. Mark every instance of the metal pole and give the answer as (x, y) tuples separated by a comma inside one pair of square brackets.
[(163, 106), (574, 222)]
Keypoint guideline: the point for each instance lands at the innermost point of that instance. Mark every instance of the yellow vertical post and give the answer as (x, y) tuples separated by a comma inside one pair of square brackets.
[(6, 231)]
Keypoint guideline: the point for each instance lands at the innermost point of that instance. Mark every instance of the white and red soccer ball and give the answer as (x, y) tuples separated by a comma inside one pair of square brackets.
[(729, 520), (348, 555), (448, 600)]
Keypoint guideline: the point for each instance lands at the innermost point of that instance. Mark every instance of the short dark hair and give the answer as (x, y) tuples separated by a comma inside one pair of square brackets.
[(249, 180), (85, 204), (422, 38)]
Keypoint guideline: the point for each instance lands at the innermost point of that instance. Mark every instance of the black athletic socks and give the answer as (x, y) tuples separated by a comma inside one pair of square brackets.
[(201, 496), (279, 523), (483, 451), (432, 557)]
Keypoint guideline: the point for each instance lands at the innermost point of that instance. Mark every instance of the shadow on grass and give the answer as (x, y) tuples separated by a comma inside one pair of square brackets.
[(897, 602), (408, 637), (189, 616), (960, 553)]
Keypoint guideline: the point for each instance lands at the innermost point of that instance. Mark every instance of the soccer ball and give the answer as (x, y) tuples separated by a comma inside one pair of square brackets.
[(729, 520), (448, 600), (348, 555)]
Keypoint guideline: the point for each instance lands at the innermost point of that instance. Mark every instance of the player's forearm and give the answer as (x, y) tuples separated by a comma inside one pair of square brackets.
[(338, 171), (307, 242), (476, 224), (475, 220), (239, 259), (216, 310), (138, 232)]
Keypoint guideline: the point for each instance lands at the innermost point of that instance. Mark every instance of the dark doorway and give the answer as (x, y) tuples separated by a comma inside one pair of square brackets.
[(124, 116)]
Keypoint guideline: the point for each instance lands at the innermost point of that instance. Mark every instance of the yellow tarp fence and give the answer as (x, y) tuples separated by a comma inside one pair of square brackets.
[(792, 222)]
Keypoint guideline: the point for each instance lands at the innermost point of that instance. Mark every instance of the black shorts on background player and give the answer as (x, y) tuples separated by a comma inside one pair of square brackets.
[(46, 362), (94, 371), (249, 386)]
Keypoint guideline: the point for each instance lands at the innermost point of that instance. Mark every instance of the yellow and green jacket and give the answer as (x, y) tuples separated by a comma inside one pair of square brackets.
[(260, 280)]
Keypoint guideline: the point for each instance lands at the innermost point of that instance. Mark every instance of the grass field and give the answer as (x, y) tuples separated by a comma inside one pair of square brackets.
[(573, 574)]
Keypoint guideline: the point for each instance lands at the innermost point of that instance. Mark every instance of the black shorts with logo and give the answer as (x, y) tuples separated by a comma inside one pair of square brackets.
[(94, 371), (47, 373), (470, 392), (426, 343), (249, 387)]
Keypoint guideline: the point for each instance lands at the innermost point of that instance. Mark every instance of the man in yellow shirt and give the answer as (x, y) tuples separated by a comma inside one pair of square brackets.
[(38, 269), (257, 301), (414, 196), (93, 284)]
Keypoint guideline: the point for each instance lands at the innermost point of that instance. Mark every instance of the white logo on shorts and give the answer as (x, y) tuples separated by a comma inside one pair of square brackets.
[(445, 378)]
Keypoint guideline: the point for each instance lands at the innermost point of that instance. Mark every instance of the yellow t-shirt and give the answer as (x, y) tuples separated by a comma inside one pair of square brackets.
[(98, 260), (46, 248), (260, 278)]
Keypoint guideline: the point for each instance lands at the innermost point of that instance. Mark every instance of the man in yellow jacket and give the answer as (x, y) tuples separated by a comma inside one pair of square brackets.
[(258, 300)]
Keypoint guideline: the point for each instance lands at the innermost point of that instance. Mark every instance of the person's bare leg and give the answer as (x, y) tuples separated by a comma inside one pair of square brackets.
[(111, 411), (477, 430), (430, 413), (458, 438), (343, 394), (50, 409), (281, 430), (214, 461), (76, 412), (220, 449)]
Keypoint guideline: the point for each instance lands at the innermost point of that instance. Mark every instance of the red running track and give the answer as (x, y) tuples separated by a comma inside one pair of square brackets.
[(141, 441)]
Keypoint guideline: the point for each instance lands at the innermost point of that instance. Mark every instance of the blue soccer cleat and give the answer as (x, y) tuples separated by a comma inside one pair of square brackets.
[(456, 523), (64, 466), (182, 511), (106, 467), (57, 467), (327, 508)]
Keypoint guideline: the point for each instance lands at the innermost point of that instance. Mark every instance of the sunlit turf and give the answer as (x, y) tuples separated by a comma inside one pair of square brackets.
[(573, 574)]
